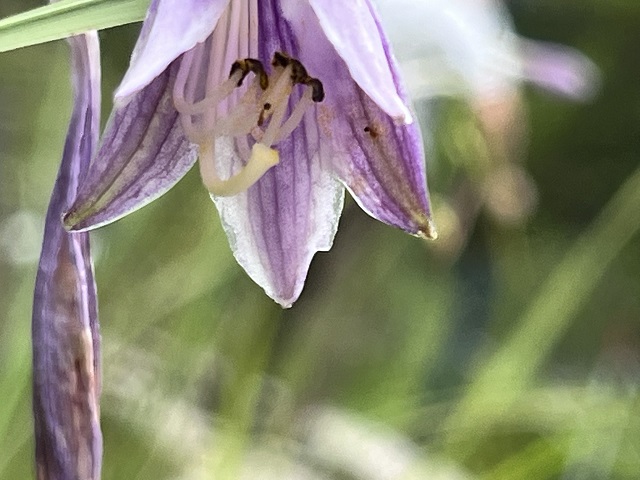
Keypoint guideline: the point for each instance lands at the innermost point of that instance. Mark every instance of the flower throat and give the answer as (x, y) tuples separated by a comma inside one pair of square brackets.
[(254, 113)]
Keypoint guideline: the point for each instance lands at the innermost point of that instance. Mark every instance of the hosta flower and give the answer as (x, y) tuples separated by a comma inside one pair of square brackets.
[(471, 49), (284, 103), (66, 366)]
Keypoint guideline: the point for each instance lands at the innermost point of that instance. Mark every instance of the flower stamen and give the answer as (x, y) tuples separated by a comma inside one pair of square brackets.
[(257, 116)]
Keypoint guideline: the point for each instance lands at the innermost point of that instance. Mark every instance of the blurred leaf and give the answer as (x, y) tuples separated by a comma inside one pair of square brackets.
[(66, 18)]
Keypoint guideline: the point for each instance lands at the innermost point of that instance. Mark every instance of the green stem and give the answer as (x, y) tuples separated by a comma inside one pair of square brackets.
[(65, 18)]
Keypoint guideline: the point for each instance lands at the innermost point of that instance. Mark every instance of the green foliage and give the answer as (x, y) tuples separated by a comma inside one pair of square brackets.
[(67, 17)]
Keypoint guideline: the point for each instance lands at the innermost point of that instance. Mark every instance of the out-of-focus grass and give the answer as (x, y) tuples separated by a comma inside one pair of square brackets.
[(513, 357), (546, 319)]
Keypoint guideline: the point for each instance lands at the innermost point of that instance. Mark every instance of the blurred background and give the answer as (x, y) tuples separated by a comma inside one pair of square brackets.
[(507, 349)]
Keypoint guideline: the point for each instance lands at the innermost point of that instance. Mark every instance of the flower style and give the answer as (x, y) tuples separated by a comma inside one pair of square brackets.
[(66, 344), (286, 103)]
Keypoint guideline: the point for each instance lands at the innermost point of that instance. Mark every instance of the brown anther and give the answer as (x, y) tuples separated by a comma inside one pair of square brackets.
[(281, 59), (251, 65), (298, 72), (317, 88)]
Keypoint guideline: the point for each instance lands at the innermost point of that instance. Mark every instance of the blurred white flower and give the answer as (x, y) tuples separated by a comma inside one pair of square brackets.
[(367, 450), (469, 48)]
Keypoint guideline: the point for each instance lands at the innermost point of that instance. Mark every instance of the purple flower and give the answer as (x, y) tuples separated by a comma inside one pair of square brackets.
[(66, 357), (285, 102)]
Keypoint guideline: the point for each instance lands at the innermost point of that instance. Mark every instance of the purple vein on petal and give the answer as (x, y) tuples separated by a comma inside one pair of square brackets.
[(395, 157), (293, 210), (379, 160), (143, 153)]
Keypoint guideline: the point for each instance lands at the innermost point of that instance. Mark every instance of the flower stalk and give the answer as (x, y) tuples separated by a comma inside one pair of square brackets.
[(65, 331)]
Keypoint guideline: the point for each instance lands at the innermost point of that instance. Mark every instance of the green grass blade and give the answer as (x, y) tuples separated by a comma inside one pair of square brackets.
[(65, 18), (507, 374)]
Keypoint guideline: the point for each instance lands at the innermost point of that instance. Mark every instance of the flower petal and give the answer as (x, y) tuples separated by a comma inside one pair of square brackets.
[(560, 69), (277, 226), (352, 29), (171, 28), (143, 153), (468, 48), (66, 356), (381, 162)]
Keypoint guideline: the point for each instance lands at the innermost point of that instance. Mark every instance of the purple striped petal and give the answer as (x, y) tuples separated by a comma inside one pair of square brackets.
[(142, 155), (171, 28), (278, 225), (381, 162), (66, 338), (352, 29)]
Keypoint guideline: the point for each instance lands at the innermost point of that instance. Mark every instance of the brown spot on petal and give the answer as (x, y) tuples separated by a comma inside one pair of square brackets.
[(372, 131)]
